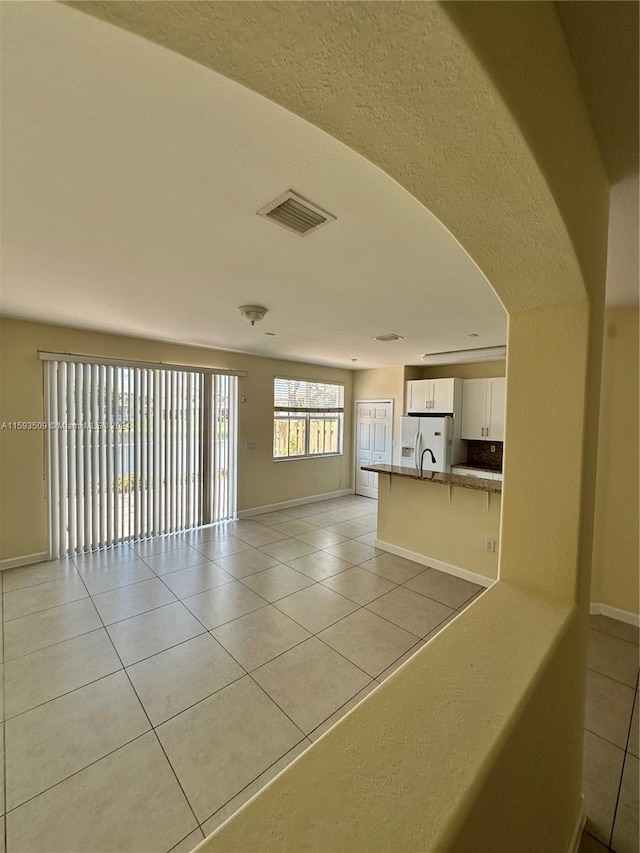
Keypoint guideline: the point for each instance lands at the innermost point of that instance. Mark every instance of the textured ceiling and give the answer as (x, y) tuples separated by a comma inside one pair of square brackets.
[(603, 42), (132, 181), (397, 83)]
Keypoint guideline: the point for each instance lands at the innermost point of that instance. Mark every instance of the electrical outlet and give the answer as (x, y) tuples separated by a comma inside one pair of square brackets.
[(493, 448), (490, 546)]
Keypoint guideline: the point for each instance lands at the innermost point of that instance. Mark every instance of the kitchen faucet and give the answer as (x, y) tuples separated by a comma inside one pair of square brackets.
[(433, 458)]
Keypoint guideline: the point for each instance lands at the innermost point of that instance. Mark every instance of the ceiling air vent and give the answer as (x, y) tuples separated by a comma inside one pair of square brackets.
[(390, 337), (296, 214)]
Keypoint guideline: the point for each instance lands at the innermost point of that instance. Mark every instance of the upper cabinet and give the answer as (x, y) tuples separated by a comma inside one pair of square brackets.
[(434, 396), (483, 409)]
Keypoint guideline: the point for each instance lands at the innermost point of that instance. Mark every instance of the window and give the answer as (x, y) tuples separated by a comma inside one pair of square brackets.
[(136, 450), (307, 418)]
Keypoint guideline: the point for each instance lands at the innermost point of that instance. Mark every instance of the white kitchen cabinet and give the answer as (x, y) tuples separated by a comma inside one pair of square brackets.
[(417, 401), (483, 409), (496, 394), (433, 396)]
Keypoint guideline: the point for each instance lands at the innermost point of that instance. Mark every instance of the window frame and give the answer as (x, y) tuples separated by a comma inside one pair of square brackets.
[(289, 413)]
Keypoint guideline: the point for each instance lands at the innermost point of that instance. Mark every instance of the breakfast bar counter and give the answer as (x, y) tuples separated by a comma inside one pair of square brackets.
[(478, 484), (456, 529)]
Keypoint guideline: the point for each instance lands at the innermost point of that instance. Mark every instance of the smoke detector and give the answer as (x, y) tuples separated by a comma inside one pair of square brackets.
[(252, 313), (296, 214), (390, 337)]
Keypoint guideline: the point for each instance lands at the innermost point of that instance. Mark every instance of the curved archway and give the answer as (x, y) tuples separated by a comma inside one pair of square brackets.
[(478, 114)]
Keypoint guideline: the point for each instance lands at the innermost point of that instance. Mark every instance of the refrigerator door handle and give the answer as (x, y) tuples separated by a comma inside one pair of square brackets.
[(417, 447)]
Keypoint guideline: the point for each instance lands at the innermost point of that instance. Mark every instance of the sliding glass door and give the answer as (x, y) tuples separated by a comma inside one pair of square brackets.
[(136, 450)]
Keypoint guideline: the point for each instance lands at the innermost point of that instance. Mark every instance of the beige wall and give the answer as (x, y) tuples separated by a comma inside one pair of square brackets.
[(615, 545), (420, 517), (480, 370), (261, 481), (383, 383)]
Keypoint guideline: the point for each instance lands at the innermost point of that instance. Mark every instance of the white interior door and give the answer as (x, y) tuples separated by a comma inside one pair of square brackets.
[(374, 427)]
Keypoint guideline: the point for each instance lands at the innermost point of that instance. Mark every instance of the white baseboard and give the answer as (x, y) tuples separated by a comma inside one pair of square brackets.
[(465, 574), (258, 510), (26, 560), (578, 829), (615, 613)]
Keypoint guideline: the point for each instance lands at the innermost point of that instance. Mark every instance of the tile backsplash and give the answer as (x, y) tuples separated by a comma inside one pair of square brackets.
[(480, 453)]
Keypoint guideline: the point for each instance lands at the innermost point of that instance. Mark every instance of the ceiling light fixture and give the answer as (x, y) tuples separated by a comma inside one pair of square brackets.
[(389, 337), (252, 313), (466, 356)]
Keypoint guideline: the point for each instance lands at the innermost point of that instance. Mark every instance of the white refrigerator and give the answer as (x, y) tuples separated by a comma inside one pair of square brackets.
[(431, 438)]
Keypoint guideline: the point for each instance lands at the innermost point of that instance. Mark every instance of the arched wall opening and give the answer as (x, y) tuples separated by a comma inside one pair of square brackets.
[(477, 112)]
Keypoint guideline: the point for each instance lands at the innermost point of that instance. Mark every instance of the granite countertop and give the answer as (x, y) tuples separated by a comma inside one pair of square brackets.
[(478, 484)]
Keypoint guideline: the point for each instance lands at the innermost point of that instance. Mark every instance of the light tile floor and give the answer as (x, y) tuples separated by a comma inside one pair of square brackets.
[(151, 689), (611, 739)]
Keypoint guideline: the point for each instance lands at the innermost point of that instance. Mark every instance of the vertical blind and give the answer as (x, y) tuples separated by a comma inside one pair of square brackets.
[(136, 451)]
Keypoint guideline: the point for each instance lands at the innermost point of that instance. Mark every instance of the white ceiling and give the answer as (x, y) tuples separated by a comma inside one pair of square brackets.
[(131, 181)]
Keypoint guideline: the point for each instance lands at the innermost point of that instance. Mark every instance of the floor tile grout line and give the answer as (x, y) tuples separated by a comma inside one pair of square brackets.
[(271, 699), (229, 621), (358, 607), (195, 566), (316, 583), (615, 636), (333, 713), (44, 609), (615, 809), (167, 649), (396, 665), (51, 645), (605, 739), (219, 556), (202, 559), (242, 667), (204, 631), (32, 585), (464, 603), (200, 840), (204, 698), (313, 582), (611, 678), (67, 692), (255, 778), (624, 762), (280, 654), (108, 625), (104, 625), (149, 721), (273, 603), (79, 770), (181, 601)]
